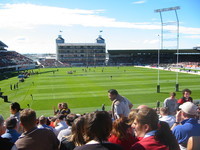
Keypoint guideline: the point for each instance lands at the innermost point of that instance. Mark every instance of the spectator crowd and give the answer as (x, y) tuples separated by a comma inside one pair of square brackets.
[(175, 126)]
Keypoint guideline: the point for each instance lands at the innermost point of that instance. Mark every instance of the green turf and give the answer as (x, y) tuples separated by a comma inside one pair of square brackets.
[(87, 91)]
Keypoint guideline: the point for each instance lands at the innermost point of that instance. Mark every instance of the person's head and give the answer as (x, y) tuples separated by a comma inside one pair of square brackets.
[(14, 108), (60, 117), (120, 128), (186, 93), (145, 121), (28, 119), (70, 119), (77, 135), (98, 126), (172, 94), (188, 110), (164, 111), (11, 123), (60, 106), (42, 120), (64, 106), (2, 127), (112, 94), (142, 106)]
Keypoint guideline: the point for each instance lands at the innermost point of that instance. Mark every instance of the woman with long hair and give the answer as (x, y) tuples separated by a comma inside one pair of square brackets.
[(76, 137), (122, 134), (156, 135), (98, 126)]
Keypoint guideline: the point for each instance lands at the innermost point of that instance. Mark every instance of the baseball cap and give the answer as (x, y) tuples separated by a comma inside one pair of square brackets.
[(189, 108)]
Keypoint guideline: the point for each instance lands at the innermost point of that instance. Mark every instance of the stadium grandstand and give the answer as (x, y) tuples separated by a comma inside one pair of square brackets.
[(150, 57), (81, 54), (13, 61), (51, 63)]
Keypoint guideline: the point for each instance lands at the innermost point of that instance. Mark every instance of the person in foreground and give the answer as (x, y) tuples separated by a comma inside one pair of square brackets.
[(122, 134), (98, 126), (5, 144), (156, 135), (186, 124), (34, 138)]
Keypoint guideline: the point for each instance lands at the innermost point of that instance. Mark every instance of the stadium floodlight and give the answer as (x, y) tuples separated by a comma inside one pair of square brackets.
[(167, 9), (161, 39)]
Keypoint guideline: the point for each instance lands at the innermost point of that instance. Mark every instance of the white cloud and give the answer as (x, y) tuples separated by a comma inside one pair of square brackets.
[(192, 36), (150, 41), (20, 39), (139, 2), (25, 16)]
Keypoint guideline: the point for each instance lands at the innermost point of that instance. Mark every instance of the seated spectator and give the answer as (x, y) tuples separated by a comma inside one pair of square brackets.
[(171, 104), (121, 134), (66, 132), (98, 126), (166, 117), (42, 124), (52, 121), (58, 111), (65, 110), (11, 133), (60, 124), (142, 106), (4, 143), (34, 138), (76, 137), (186, 97), (156, 135), (186, 124)]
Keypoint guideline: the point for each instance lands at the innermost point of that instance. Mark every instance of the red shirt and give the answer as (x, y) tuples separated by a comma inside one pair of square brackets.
[(183, 100), (125, 143), (149, 143)]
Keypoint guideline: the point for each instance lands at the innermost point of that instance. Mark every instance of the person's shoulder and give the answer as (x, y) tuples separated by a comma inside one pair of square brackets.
[(112, 146), (83, 147), (117, 103), (181, 100), (178, 128), (6, 135), (137, 146)]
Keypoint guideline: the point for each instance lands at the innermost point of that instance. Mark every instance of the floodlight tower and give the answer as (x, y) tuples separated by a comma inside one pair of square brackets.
[(162, 40)]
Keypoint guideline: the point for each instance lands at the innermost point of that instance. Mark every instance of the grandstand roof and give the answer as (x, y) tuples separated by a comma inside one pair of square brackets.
[(80, 44), (59, 38), (126, 51), (2, 44)]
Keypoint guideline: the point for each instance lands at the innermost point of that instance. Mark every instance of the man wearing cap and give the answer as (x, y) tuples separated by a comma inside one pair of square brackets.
[(186, 124)]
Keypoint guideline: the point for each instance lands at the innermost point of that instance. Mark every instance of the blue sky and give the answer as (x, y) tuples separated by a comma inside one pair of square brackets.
[(31, 26)]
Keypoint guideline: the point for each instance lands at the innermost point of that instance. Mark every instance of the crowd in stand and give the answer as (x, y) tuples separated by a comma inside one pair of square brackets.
[(172, 127), (10, 58), (52, 63)]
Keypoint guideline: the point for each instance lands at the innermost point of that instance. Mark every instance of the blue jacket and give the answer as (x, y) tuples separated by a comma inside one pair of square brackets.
[(11, 134), (189, 127)]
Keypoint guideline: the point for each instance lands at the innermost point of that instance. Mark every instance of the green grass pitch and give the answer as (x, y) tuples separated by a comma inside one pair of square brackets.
[(87, 91)]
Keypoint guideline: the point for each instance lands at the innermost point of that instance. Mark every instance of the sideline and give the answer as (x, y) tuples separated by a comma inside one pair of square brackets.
[(171, 69)]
